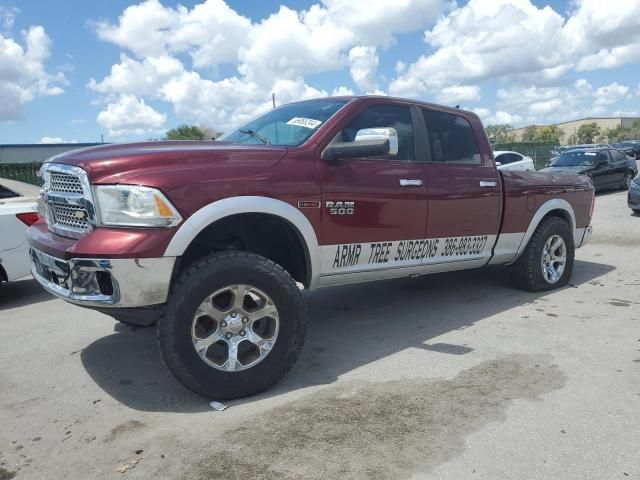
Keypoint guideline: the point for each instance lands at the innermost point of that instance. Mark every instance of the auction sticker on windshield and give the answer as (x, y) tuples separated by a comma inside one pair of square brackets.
[(304, 122)]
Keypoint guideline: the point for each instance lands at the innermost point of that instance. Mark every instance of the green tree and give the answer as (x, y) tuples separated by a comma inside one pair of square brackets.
[(186, 132), (549, 134), (529, 134), (588, 132), (500, 133), (615, 134)]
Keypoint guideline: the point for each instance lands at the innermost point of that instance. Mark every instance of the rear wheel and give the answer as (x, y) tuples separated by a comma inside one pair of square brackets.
[(234, 325), (547, 262)]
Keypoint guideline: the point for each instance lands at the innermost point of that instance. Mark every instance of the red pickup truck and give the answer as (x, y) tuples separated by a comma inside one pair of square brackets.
[(214, 241)]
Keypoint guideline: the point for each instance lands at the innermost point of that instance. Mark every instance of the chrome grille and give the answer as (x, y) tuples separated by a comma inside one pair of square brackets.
[(68, 200), (64, 182), (73, 216)]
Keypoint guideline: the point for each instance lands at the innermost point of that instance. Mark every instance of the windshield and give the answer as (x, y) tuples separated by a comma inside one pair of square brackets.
[(289, 125), (575, 159), (624, 145)]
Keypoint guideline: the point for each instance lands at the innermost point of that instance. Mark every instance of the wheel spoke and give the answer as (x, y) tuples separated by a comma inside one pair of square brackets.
[(265, 345), (557, 241), (238, 296), (201, 344), (232, 363), (207, 308), (267, 310)]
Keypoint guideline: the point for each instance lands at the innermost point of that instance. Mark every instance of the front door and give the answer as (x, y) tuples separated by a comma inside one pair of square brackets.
[(465, 191), (371, 205)]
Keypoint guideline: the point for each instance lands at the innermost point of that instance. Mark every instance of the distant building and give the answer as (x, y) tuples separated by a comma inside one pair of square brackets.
[(571, 128), (36, 152)]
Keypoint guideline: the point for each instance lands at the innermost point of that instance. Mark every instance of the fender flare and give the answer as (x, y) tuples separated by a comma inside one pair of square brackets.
[(220, 209), (543, 210)]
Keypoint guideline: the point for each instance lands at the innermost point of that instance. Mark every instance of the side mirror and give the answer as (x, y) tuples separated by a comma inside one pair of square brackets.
[(387, 133), (369, 142), (498, 164), (601, 163)]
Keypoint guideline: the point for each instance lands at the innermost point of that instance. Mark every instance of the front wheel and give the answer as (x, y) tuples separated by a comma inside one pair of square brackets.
[(626, 182), (234, 325), (547, 261)]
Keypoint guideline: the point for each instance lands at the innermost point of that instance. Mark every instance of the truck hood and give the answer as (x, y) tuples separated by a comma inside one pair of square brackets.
[(575, 169), (118, 162)]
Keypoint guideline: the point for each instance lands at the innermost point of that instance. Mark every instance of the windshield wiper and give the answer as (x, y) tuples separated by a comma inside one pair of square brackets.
[(255, 134)]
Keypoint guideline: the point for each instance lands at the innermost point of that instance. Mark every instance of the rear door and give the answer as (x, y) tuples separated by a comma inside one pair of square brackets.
[(464, 190), (620, 166), (369, 205)]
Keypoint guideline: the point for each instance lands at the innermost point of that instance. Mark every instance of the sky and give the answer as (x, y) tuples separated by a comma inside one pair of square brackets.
[(82, 71)]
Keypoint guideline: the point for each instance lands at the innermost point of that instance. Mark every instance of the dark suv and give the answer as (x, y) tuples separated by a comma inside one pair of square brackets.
[(630, 148), (607, 166)]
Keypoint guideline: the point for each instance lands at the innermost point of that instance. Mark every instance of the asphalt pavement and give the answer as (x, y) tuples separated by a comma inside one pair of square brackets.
[(451, 376)]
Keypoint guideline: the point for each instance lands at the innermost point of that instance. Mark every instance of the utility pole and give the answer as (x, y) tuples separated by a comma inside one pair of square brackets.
[(273, 99)]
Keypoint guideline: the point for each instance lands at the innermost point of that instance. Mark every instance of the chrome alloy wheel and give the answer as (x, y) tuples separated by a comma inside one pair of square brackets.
[(628, 178), (554, 259), (235, 328)]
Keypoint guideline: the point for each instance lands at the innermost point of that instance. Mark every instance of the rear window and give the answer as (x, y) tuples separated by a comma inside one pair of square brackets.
[(7, 193), (451, 138)]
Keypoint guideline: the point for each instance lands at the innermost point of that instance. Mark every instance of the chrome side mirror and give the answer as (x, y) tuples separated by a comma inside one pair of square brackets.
[(382, 133)]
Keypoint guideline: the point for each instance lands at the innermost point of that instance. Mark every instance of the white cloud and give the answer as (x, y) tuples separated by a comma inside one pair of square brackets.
[(271, 55), (56, 140), (484, 39), (515, 41), (364, 63), (610, 94), (603, 36), (130, 116), (176, 55), (456, 94), (23, 76), (138, 77)]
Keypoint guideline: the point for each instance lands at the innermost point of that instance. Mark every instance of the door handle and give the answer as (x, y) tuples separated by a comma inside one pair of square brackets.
[(412, 182), (487, 184)]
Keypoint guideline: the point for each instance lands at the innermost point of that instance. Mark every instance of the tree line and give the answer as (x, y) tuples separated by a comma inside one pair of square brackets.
[(587, 133)]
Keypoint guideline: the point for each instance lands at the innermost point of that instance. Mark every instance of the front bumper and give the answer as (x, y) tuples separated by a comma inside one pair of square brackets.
[(113, 282)]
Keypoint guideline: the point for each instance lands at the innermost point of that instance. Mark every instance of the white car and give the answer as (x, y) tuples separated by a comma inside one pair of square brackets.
[(513, 161), (18, 210)]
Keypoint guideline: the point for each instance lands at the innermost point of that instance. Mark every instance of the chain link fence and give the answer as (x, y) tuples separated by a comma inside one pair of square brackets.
[(22, 172), (540, 152)]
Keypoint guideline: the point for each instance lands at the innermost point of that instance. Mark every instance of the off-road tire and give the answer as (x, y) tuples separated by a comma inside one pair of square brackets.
[(204, 277), (527, 271)]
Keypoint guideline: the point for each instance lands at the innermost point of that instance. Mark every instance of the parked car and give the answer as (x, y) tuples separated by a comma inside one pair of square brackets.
[(608, 167), (513, 161), (633, 197), (214, 240), (18, 210), (630, 148)]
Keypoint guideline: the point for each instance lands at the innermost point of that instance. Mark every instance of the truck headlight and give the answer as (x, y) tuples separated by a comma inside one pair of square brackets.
[(134, 206)]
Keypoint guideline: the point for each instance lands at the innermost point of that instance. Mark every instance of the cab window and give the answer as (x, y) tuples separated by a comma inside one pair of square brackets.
[(396, 117), (451, 138)]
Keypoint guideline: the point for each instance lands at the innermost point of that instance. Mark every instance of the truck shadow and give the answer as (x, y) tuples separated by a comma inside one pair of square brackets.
[(349, 326), (20, 293)]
